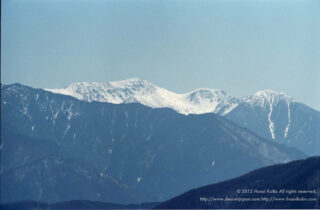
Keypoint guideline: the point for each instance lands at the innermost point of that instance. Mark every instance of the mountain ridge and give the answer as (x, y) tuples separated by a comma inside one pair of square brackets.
[(272, 115), (144, 92), (81, 90)]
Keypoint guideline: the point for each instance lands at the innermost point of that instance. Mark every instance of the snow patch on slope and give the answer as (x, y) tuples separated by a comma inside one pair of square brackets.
[(289, 122), (271, 123)]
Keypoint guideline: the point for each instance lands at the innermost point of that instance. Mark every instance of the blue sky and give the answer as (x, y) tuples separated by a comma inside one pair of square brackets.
[(241, 46)]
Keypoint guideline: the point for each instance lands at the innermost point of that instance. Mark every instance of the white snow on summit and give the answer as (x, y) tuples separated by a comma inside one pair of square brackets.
[(199, 101), (140, 91), (267, 97)]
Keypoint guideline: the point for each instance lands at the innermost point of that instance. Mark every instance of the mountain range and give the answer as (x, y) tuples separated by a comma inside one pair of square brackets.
[(56, 148), (272, 115)]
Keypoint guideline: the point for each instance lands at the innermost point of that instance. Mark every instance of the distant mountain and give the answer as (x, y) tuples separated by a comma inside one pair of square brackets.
[(272, 115), (135, 90), (280, 118), (299, 180), (56, 148)]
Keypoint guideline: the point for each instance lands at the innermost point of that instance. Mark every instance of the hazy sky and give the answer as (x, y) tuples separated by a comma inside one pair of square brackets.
[(239, 46)]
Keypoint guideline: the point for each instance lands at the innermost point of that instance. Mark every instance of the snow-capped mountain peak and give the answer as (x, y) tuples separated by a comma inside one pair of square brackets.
[(202, 100), (135, 90), (271, 93), (268, 101), (112, 92), (267, 97)]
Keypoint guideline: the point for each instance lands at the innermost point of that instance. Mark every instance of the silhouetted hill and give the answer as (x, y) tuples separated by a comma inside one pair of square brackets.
[(297, 175)]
